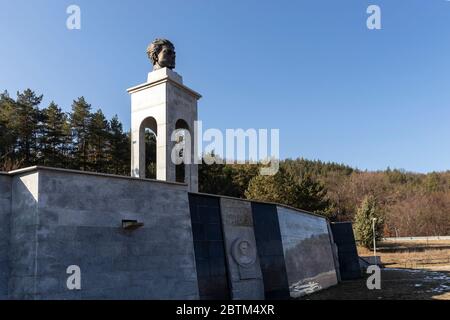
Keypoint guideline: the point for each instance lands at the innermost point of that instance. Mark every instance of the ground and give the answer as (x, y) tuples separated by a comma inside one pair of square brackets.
[(416, 270), (412, 254)]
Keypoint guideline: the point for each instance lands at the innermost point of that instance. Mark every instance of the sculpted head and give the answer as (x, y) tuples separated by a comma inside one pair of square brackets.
[(162, 54), (244, 247)]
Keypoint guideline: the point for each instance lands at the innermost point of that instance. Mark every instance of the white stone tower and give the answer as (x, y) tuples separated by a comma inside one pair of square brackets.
[(163, 104)]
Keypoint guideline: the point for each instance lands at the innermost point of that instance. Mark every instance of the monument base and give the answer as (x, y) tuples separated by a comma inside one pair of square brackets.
[(136, 238)]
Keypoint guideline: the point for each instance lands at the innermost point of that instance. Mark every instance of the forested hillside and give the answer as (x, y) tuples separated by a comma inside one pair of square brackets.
[(411, 204)]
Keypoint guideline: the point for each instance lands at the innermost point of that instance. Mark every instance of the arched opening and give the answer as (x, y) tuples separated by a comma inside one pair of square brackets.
[(180, 169), (149, 131)]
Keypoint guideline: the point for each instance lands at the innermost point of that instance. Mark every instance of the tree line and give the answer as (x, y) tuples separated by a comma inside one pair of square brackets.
[(82, 139), (404, 203)]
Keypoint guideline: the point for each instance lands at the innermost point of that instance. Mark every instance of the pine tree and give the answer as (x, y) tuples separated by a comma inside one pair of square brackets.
[(217, 177), (283, 188), (364, 219), (98, 142), (241, 175), (280, 188), (8, 127), (28, 117), (79, 122), (312, 196), (119, 148), (54, 138)]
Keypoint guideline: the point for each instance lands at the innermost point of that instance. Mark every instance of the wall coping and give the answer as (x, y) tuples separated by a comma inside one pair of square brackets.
[(107, 175), (263, 202)]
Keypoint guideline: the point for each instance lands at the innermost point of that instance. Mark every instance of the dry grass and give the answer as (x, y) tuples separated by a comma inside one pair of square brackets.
[(412, 254), (396, 284), (401, 279)]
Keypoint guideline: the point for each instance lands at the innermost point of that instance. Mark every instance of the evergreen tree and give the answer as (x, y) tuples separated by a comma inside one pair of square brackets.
[(280, 188), (312, 196), (119, 148), (241, 176), (283, 188), (98, 142), (28, 117), (79, 122), (55, 137), (364, 219), (216, 178), (8, 127)]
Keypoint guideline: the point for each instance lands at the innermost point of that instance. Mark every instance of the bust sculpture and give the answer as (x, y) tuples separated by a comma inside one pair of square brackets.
[(161, 53)]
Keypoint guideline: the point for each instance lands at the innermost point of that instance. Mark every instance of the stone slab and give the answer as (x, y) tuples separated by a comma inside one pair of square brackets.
[(241, 252)]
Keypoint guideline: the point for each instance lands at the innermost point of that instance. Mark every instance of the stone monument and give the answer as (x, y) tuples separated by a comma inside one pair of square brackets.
[(136, 238), (163, 104)]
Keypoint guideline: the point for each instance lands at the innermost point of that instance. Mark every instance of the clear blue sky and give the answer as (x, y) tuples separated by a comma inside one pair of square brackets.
[(336, 90)]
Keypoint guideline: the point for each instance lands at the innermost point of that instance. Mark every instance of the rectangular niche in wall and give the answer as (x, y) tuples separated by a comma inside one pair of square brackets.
[(209, 247), (270, 251)]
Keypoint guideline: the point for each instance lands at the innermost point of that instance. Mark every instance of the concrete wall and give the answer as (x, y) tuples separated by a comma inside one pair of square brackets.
[(51, 219), (24, 224), (78, 222), (5, 210), (244, 267), (308, 251)]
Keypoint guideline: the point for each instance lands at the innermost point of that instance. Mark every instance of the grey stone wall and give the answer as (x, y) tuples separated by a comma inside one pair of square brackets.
[(307, 250), (51, 219), (23, 243), (5, 210), (77, 221), (244, 268)]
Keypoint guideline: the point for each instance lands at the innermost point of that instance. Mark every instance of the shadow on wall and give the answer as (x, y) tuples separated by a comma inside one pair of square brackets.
[(5, 213)]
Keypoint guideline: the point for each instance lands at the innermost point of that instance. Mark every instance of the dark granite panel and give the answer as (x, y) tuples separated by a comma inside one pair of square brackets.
[(209, 247), (348, 255), (270, 250)]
